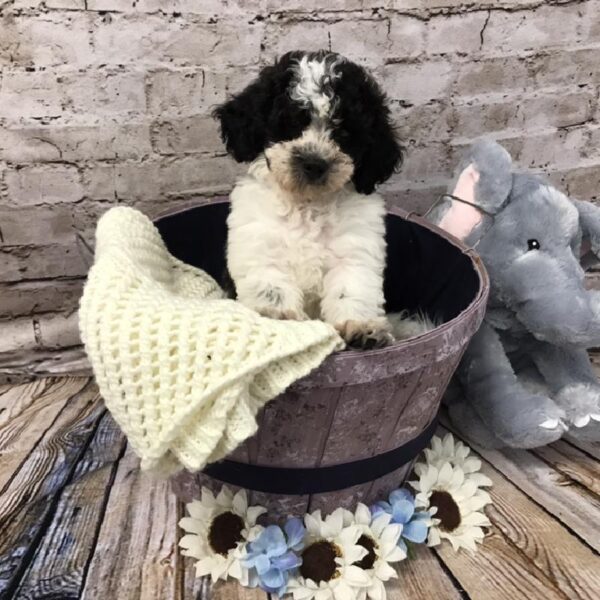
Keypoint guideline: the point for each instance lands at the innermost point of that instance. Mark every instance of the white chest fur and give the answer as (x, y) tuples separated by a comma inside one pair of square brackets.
[(295, 254)]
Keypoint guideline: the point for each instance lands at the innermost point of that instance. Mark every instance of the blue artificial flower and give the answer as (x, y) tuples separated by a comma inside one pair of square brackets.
[(273, 555), (401, 507)]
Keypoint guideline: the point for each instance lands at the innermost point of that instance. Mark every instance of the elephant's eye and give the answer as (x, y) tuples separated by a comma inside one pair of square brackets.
[(533, 244)]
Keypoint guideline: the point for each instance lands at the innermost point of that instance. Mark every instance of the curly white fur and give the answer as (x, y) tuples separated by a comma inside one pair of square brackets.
[(311, 86), (296, 259)]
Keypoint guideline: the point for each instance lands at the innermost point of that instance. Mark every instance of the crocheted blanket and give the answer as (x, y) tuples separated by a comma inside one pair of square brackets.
[(183, 370)]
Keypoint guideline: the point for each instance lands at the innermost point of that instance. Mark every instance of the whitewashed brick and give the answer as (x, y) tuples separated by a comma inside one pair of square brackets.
[(423, 122), (51, 94), (202, 7), (568, 67), (111, 105), (424, 161), (50, 184), (104, 93), (276, 6), (104, 140), (138, 180), (156, 179), (66, 4), (283, 36), (407, 36), (25, 94), (186, 92), (418, 83), (16, 334), (159, 40), (362, 41), (546, 26), (460, 33), (58, 330), (425, 5), (41, 262), (476, 79), (99, 182), (30, 297), (24, 226), (196, 176), (191, 134), (112, 5), (85, 219), (46, 40), (522, 114)]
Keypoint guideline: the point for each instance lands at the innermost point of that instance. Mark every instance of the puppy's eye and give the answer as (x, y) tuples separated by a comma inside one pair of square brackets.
[(533, 245)]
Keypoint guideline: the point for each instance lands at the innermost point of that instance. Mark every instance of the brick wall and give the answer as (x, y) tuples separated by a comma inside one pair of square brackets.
[(107, 101)]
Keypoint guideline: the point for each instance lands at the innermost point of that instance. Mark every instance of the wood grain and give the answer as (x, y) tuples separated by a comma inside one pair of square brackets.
[(30, 497), (14, 395), (79, 520), (26, 413), (498, 572), (136, 551), (422, 577), (232, 591), (572, 463), (70, 539), (527, 551), (194, 588), (591, 448), (573, 505)]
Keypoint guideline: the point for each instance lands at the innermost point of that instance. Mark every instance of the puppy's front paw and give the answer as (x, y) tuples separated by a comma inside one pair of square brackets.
[(365, 335), (282, 314)]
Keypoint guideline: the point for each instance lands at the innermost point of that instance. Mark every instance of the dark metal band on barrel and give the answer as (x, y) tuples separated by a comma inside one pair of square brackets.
[(318, 480)]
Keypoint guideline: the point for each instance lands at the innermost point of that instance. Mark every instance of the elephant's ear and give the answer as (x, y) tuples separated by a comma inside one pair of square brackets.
[(589, 224), (483, 182)]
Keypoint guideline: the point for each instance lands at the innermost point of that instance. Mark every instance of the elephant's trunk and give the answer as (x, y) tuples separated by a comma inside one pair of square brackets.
[(573, 322), (551, 301)]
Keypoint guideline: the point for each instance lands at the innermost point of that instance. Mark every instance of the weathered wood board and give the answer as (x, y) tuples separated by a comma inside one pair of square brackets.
[(79, 520)]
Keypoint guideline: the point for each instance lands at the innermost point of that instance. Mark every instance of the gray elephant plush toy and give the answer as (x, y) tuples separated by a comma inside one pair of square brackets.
[(526, 377)]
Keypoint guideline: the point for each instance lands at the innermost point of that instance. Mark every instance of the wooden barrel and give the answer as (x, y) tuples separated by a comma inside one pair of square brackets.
[(356, 423)]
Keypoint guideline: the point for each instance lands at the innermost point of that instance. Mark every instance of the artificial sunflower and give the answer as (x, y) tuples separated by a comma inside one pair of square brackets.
[(453, 451), (380, 539), (329, 569), (455, 503), (218, 529)]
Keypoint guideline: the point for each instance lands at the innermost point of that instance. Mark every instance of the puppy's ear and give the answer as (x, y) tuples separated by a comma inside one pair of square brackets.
[(371, 139), (244, 118)]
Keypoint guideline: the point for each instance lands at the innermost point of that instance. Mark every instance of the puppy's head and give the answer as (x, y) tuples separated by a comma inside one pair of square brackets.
[(320, 120)]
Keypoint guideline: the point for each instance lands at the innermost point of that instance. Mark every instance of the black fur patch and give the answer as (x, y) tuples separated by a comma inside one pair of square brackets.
[(264, 114), (364, 129)]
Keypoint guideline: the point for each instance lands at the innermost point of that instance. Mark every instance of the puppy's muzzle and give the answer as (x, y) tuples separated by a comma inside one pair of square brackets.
[(311, 168)]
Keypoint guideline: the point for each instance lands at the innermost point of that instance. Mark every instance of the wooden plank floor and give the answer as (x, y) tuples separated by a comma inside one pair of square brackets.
[(79, 520)]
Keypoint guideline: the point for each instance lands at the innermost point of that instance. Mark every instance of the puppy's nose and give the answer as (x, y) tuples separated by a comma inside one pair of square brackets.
[(313, 167)]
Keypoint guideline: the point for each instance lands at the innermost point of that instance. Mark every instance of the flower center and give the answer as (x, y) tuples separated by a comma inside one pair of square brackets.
[(225, 532), (318, 561), (369, 544), (447, 510)]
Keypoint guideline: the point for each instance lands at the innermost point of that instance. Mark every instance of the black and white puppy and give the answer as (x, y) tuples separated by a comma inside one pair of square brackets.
[(306, 231)]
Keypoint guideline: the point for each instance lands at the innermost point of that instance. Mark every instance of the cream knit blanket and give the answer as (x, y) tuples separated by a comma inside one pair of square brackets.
[(182, 369)]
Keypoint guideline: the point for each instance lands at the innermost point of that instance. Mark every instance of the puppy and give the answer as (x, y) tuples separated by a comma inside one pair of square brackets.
[(306, 232)]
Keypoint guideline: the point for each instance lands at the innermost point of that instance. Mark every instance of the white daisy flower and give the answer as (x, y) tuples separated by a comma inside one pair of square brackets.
[(455, 503), (380, 538), (329, 568), (217, 532), (450, 450)]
